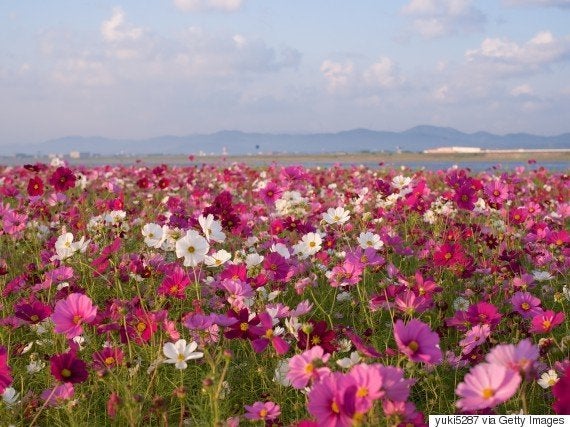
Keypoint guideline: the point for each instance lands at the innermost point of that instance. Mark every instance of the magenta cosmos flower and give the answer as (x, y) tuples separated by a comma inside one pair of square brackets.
[(543, 323), (5, 377), (262, 411), (368, 380), (561, 393), (526, 304), (71, 313), (486, 386), (417, 341), (332, 400)]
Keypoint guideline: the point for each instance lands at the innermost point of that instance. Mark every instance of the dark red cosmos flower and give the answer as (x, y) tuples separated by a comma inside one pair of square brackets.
[(67, 368), (32, 312), (63, 179), (245, 327), (317, 334), (35, 186), (465, 197)]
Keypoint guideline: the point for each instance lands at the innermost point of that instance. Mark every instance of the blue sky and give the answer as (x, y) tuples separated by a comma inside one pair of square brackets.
[(135, 69)]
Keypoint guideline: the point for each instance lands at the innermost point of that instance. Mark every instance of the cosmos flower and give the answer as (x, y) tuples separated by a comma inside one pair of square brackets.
[(336, 216), (332, 400), (519, 357), (486, 386), (262, 411), (154, 235), (70, 314), (180, 352), (544, 322), (370, 240), (548, 379), (307, 366), (58, 395), (5, 371), (62, 179), (66, 367), (193, 248), (417, 341)]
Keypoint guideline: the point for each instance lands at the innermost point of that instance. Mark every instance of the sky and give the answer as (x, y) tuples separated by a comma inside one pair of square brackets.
[(139, 69)]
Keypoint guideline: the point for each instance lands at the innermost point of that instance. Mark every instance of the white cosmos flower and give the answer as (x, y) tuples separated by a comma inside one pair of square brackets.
[(115, 217), (64, 246), (370, 240), (81, 245), (401, 181), (548, 379), (311, 243), (251, 260), (211, 228), (10, 396), (281, 249), (541, 276), (179, 352), (217, 258), (154, 235), (193, 248), (336, 216), (349, 362)]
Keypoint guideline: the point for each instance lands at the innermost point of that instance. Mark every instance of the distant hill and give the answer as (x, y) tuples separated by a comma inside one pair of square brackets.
[(416, 139)]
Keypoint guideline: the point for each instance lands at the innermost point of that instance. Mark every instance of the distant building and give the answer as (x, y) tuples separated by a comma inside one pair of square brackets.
[(74, 154), (452, 150)]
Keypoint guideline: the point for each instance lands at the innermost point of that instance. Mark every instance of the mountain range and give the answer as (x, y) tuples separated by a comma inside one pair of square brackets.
[(416, 139)]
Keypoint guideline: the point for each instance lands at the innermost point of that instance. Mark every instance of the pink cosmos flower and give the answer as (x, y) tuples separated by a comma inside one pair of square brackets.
[(417, 341), (71, 313), (58, 395), (262, 411), (544, 322), (368, 380), (483, 313), (394, 385), (486, 386), (476, 336), (332, 400), (519, 358), (526, 304), (14, 222), (307, 366)]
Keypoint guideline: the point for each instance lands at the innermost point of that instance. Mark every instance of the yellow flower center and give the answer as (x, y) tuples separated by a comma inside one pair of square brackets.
[(34, 318), (316, 340), (525, 305), (65, 373), (487, 393), (244, 326), (191, 249), (546, 324), (362, 392), (269, 333), (309, 368), (77, 319), (335, 408), (109, 360), (413, 345), (141, 326), (263, 413)]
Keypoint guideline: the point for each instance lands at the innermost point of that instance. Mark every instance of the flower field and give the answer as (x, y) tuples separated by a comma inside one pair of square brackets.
[(232, 295)]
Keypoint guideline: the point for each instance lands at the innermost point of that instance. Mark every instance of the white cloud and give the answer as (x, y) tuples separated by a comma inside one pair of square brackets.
[(437, 18), (82, 72), (115, 30), (524, 89), (382, 73), (510, 57), (199, 5), (337, 74), (541, 3)]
